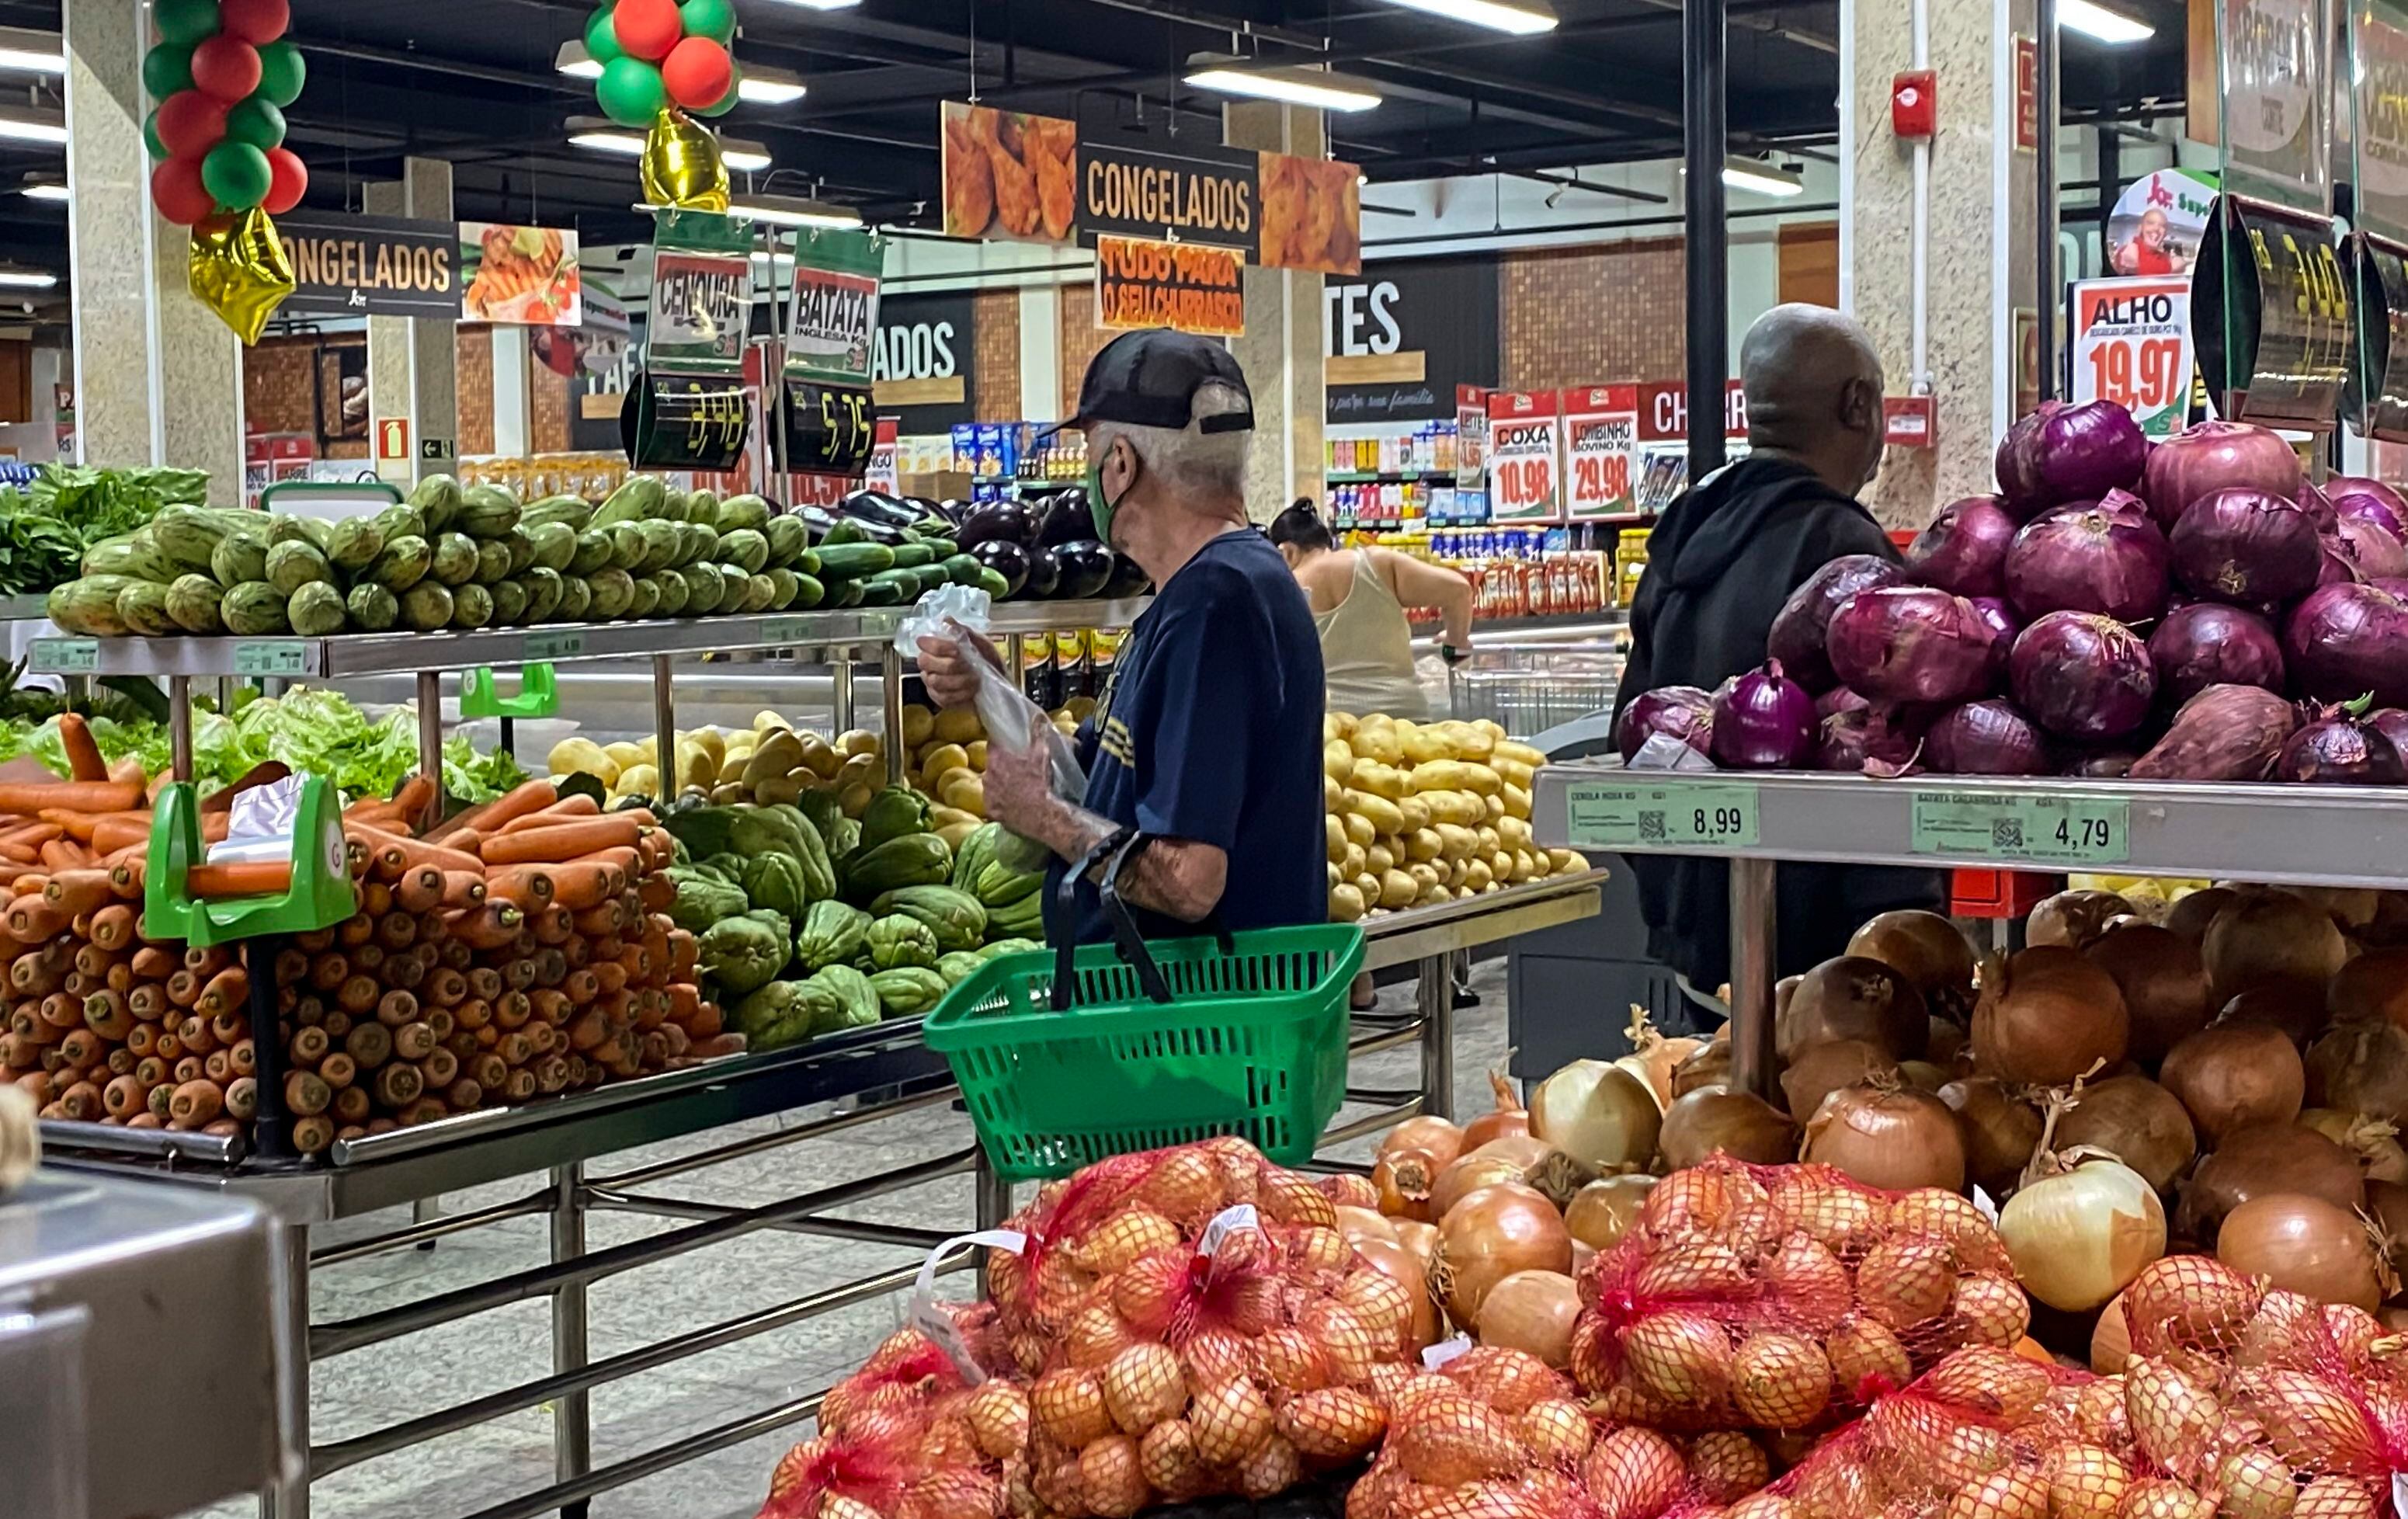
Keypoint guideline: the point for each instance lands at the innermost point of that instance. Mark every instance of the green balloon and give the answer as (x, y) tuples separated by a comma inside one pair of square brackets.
[(236, 174), (601, 42), (151, 137), (631, 91), (186, 22), (727, 102), (257, 122), (165, 69), (281, 73), (713, 19)]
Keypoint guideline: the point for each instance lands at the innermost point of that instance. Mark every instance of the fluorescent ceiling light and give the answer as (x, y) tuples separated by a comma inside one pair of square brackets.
[(759, 85), (31, 124), (38, 189), (575, 62), (2096, 20), (824, 5), (605, 137), (26, 51), (794, 211), (1522, 18), (1763, 179), (27, 279), (743, 156), (1291, 84)]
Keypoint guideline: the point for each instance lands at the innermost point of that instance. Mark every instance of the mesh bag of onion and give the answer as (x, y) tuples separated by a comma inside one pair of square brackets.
[(1780, 1297)]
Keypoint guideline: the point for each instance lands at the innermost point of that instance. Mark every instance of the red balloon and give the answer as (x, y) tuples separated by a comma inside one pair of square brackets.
[(697, 72), (255, 22), (191, 124), (288, 178), (176, 190), (226, 67), (648, 29)]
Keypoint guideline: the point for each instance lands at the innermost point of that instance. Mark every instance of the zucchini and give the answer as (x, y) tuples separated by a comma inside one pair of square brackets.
[(852, 561), (844, 594), (882, 591), (931, 576), (943, 547), (962, 568), (845, 530), (809, 592), (992, 583), (912, 555)]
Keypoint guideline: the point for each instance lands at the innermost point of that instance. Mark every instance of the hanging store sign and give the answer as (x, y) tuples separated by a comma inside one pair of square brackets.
[(1664, 411), (2159, 223), (519, 277), (1312, 214), (1525, 452), (1009, 175), (1193, 194), (2131, 346), (2375, 396), (2272, 318), (2277, 57), (832, 313), (1184, 286), (1601, 442), (925, 367), (1399, 340), (691, 408), (372, 265)]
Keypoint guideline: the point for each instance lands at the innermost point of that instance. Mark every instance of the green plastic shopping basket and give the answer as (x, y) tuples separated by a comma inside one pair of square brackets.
[(1068, 1056)]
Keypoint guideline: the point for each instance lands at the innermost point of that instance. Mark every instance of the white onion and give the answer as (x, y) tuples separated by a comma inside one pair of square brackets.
[(2080, 1237), (1597, 1113)]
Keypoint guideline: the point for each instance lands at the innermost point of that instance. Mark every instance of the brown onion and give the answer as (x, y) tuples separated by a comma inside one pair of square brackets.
[(2306, 1245), (2362, 1068), (1490, 1235), (2164, 984), (2047, 1016), (1852, 997), (1926, 949), (1361, 1223), (1509, 1159), (1507, 1117), (1654, 1058), (2138, 1122), (1399, 1265), (1419, 1241), (1402, 1180), (1709, 1066), (2271, 936), (1532, 1312), (1434, 1137), (1717, 1120), (2230, 1075), (1948, 1042), (1924, 1075), (2000, 1130), (1818, 1070), (1597, 1112), (2072, 919), (2349, 907), (1888, 1136), (2375, 985), (2263, 1159), (1601, 1212), (2295, 1008), (2111, 1340), (2374, 1142), (2386, 1203), (2191, 916)]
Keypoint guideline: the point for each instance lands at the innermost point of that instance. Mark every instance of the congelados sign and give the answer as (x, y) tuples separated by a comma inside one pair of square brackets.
[(1179, 285), (1128, 190), (372, 265)]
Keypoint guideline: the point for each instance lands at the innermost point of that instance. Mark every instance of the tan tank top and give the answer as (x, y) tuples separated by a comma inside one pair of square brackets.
[(1367, 654)]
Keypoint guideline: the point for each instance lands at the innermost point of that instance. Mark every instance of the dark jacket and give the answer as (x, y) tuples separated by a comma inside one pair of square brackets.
[(1721, 562)]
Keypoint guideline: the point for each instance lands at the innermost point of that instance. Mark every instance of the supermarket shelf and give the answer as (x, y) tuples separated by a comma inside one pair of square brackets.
[(1395, 938), (24, 609), (1385, 477), (827, 635), (2293, 834)]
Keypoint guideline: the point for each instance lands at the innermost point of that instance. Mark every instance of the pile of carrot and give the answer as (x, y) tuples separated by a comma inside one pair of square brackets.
[(518, 949)]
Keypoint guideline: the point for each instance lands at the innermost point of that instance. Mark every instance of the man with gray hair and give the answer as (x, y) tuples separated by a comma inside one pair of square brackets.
[(1207, 740)]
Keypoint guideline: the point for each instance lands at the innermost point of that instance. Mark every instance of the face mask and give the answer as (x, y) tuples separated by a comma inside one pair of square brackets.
[(1100, 507)]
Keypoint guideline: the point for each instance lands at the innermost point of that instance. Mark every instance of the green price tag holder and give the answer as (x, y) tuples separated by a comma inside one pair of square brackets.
[(64, 657), (279, 658), (2076, 832), (1670, 817), (538, 693)]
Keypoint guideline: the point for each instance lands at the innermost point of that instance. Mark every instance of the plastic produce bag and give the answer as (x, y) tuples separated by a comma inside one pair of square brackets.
[(954, 612)]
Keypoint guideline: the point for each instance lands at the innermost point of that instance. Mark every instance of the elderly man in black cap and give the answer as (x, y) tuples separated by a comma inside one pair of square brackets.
[(1208, 739)]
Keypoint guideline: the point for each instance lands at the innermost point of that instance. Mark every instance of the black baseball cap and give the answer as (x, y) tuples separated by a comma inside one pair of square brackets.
[(1150, 378)]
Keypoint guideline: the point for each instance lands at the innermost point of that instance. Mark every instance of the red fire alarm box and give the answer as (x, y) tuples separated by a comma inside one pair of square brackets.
[(1913, 103), (1910, 422)]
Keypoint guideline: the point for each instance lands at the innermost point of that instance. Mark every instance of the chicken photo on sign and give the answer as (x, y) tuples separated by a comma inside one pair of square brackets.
[(524, 276), (1009, 174)]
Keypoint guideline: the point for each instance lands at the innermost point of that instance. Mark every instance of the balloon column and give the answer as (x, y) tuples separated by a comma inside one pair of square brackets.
[(222, 74), (662, 59)]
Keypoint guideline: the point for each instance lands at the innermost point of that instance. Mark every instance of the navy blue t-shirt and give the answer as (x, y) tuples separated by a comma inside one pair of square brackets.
[(1210, 729)]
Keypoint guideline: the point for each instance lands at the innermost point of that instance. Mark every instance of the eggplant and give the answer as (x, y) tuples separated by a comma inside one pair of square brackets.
[(1128, 578), (1086, 569), (952, 508), (1044, 572), (1063, 518), (820, 522), (877, 506), (1006, 559), (999, 522)]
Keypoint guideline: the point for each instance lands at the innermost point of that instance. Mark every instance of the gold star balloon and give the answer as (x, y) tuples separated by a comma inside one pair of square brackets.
[(681, 166), (239, 269)]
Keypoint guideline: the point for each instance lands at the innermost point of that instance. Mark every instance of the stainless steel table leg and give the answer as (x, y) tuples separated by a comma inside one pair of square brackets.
[(1434, 993), (993, 1206), (179, 727), (288, 1498), (572, 1413), (841, 695), (890, 670), (664, 726), (1752, 936)]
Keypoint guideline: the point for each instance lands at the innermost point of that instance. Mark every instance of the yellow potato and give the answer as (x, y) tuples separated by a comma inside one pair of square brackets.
[(1344, 723), (1333, 795), (1359, 829), (1456, 842), (1501, 865), (1398, 889), (1423, 844), (1492, 808), (1368, 884), (1385, 815), (1567, 862), (764, 719), (854, 798), (1426, 874), (918, 724), (1519, 754), (575, 756), (640, 780), (1434, 893), (776, 789), (956, 725), (1457, 873), (1478, 876), (1345, 903), (1376, 741), (1416, 811), (1336, 760), (1524, 868), (1490, 839), (1470, 742), (1354, 861), (1379, 859), (942, 757), (1378, 779), (1337, 841), (1512, 772), (858, 742), (624, 753), (820, 758), (963, 787), (977, 752), (1516, 801), (1425, 746), (1513, 833)]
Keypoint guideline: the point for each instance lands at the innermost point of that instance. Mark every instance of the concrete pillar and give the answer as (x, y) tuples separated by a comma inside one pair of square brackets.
[(414, 362), (1282, 350), (158, 375), (1983, 256), (1040, 352), (514, 394)]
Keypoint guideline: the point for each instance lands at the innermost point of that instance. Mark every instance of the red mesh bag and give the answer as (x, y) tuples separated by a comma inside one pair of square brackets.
[(1780, 1297)]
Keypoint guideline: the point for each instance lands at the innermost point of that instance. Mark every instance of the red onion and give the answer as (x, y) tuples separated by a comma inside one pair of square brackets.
[(1964, 550), (2246, 546), (2003, 626), (2354, 497), (2348, 640), (1762, 721), (2105, 765), (2392, 722), (1906, 643), (2374, 551), (1986, 738), (1683, 712), (2342, 750), (2215, 456), (2064, 452), (2095, 559), (2225, 733), (1878, 740), (2208, 643), (2082, 675), (1798, 629)]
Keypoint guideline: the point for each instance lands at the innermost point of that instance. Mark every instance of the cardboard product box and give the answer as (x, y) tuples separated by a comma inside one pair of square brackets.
[(938, 485)]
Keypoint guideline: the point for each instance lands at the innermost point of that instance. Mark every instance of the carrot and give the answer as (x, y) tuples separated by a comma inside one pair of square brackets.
[(80, 826), (33, 921), (566, 809), (29, 798), (397, 852), (314, 1134), (464, 888), (560, 841), (65, 854), (414, 796), (224, 993), (198, 1102), (73, 891), (489, 928), (129, 770), (249, 878), (716, 1046), (419, 890), (606, 917), (83, 752), (525, 887), (527, 796), (352, 1106)]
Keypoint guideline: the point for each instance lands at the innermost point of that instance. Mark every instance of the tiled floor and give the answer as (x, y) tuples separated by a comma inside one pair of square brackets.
[(461, 1474)]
